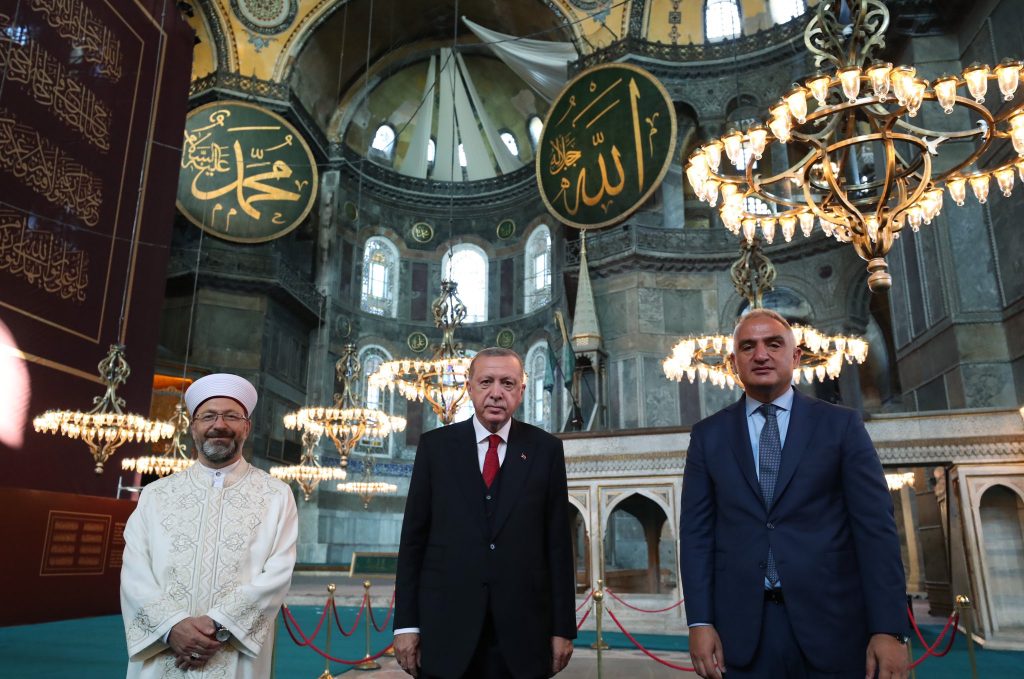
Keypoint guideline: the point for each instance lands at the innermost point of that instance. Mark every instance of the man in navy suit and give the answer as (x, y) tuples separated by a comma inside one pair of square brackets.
[(790, 558), (486, 585)]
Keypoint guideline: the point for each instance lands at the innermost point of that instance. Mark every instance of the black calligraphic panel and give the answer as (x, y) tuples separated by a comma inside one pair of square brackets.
[(606, 145), (246, 175), (89, 92)]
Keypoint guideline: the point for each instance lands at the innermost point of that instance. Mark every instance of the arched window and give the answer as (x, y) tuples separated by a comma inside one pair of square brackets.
[(786, 10), (462, 156), (537, 290), (510, 142), (383, 144), (380, 277), (537, 401), (466, 264), (370, 358), (721, 20), (536, 126), (431, 151)]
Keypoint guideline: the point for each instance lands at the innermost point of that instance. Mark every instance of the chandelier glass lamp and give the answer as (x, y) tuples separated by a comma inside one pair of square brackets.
[(366, 488), (707, 357), (898, 480), (346, 423), (106, 427), (847, 153), (440, 381), (175, 457)]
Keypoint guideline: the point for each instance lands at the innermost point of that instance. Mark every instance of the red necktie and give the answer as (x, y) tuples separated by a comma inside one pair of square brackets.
[(491, 459)]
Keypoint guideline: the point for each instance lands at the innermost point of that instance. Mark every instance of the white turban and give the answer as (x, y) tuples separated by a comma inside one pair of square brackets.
[(220, 385)]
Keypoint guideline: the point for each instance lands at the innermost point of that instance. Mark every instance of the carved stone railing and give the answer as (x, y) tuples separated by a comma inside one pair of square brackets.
[(261, 270)]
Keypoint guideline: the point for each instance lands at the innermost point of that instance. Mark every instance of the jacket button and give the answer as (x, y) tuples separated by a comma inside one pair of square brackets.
[(492, 545), (771, 526), (488, 497), (762, 565)]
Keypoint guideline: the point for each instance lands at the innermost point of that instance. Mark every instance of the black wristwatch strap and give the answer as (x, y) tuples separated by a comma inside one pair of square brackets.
[(902, 638)]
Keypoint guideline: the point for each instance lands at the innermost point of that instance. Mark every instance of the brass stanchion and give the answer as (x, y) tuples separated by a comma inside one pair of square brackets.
[(327, 643), (963, 604), (910, 639), (367, 663), (599, 643)]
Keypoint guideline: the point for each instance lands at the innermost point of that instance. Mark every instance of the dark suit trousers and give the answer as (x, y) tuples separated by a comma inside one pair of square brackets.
[(488, 661), (778, 655)]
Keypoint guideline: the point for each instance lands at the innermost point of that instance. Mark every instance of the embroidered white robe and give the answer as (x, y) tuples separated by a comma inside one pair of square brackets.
[(192, 549)]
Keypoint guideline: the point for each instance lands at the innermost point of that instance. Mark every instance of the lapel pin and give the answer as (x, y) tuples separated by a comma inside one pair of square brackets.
[(522, 455)]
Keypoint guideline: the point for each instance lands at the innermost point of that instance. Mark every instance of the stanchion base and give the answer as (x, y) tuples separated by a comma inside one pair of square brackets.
[(390, 652), (326, 675), (600, 646), (367, 665)]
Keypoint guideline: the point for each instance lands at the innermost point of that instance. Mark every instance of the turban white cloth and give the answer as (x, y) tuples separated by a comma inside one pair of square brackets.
[(221, 385)]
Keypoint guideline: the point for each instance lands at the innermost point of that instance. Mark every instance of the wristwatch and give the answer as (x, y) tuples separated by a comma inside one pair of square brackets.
[(902, 638), (222, 633)]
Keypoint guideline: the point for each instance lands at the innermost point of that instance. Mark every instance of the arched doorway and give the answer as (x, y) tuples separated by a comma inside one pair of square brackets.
[(636, 545), (580, 548), (1002, 530)]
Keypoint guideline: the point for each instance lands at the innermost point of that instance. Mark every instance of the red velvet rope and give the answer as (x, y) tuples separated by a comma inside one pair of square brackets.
[(645, 651), (643, 610), (355, 625), (929, 650), (309, 642), (586, 615), (391, 609), (590, 594), (323, 616)]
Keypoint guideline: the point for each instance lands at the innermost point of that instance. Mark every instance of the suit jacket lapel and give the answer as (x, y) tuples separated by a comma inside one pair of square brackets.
[(740, 445), (801, 428), (514, 470), (466, 468)]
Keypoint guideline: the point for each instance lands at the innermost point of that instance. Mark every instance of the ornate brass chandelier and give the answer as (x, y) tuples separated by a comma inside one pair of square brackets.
[(707, 357), (106, 427), (863, 168), (440, 381), (366, 488), (345, 423), (175, 457)]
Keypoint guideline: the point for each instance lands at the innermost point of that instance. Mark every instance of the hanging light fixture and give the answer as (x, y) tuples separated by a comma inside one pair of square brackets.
[(346, 423), (899, 480), (106, 427), (707, 357), (864, 110), (175, 457), (366, 488), (440, 381)]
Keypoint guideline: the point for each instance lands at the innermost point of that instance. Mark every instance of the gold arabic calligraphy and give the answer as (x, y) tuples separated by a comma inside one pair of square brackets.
[(223, 170), (48, 170), (567, 157), (51, 85), (41, 258), (96, 42)]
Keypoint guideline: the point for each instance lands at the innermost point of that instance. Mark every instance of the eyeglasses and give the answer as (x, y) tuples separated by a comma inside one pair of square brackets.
[(230, 418)]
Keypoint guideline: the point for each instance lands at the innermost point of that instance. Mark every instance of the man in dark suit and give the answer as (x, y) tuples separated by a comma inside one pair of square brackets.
[(790, 558), (485, 584)]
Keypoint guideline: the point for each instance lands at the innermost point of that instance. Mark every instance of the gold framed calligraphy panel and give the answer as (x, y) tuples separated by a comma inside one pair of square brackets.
[(247, 175), (76, 107), (606, 145)]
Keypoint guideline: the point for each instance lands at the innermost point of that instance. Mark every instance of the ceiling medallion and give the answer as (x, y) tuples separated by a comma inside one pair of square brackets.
[(265, 17)]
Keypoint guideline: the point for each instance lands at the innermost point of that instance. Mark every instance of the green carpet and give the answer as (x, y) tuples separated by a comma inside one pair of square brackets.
[(94, 648)]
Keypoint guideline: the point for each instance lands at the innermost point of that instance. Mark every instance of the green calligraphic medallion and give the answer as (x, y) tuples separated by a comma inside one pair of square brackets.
[(606, 145), (506, 229), (246, 175), (506, 338), (417, 341)]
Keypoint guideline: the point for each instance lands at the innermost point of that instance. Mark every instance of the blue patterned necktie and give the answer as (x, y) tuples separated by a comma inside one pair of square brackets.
[(769, 455)]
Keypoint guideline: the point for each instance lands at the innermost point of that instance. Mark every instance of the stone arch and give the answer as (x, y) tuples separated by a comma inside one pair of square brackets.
[(579, 529), (1001, 515), (634, 552)]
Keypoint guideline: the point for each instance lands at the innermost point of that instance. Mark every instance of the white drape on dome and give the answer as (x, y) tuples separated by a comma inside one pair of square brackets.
[(542, 64)]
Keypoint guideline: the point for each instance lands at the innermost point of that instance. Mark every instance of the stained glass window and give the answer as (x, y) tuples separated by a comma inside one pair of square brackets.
[(380, 277), (466, 264), (721, 20), (537, 290)]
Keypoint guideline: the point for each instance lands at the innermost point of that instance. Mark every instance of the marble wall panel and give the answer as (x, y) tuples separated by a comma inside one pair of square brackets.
[(988, 385), (684, 312), (661, 407)]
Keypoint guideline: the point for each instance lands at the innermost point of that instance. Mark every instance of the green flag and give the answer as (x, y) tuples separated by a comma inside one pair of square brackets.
[(549, 372), (568, 363)]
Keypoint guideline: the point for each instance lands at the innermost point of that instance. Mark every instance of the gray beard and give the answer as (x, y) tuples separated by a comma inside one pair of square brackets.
[(217, 452)]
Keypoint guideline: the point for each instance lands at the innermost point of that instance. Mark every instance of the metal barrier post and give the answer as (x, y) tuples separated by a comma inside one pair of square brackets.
[(599, 643), (367, 663), (327, 643), (963, 603)]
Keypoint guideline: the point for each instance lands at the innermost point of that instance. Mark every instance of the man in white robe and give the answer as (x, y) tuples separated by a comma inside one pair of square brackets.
[(209, 552)]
